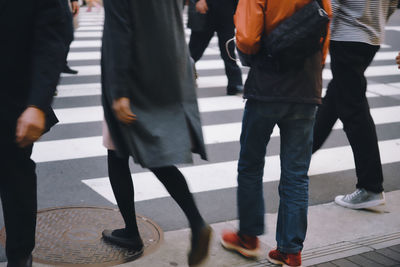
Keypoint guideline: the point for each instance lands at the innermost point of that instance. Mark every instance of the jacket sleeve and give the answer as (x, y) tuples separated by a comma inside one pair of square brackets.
[(119, 46), (48, 51), (328, 8), (249, 22)]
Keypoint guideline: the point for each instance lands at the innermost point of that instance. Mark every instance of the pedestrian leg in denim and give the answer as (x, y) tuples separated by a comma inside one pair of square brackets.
[(296, 147), (256, 131)]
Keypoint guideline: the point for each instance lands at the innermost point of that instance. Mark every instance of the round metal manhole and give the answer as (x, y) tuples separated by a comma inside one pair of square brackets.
[(72, 236)]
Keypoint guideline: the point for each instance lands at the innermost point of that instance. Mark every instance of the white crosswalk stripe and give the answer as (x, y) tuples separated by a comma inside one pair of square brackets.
[(85, 57)]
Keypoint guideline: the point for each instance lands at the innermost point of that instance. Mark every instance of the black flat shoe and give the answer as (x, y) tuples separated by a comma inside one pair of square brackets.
[(234, 89), (118, 237), (200, 247), (68, 70), (27, 262)]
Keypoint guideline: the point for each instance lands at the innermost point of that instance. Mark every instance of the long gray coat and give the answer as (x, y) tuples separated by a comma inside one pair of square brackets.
[(145, 58)]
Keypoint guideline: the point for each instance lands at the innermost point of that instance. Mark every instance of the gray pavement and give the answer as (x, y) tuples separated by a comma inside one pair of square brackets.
[(336, 237)]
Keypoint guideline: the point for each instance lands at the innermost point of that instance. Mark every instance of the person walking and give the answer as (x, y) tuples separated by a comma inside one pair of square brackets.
[(286, 98), (398, 60), (357, 32), (32, 50), (207, 17), (151, 111), (71, 11)]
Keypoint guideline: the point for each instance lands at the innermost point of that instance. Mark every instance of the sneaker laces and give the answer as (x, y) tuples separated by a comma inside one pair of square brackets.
[(354, 194)]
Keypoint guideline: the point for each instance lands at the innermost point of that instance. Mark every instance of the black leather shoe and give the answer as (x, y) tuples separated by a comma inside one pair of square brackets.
[(118, 237), (200, 247), (68, 70), (234, 89), (27, 262)]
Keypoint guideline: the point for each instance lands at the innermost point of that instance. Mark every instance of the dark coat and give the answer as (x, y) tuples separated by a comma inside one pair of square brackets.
[(145, 58), (32, 51), (297, 85), (218, 10)]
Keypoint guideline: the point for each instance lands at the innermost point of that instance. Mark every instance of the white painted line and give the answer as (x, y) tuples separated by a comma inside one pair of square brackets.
[(68, 149), (97, 55), (392, 28), (384, 55), (223, 175), (372, 71), (89, 28), (74, 90), (80, 34), (85, 44), (95, 113), (389, 89), (208, 104), (84, 56)]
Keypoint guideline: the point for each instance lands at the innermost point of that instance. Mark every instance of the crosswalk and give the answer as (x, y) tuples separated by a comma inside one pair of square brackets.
[(221, 116)]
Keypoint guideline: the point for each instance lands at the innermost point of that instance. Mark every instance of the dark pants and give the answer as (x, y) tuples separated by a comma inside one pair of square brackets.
[(220, 21), (69, 30), (18, 194), (295, 122), (346, 100)]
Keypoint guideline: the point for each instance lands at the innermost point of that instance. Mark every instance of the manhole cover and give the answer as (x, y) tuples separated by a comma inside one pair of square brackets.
[(72, 236)]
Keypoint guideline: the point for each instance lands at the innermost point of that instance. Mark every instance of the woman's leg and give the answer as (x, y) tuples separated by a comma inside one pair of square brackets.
[(176, 185), (122, 186)]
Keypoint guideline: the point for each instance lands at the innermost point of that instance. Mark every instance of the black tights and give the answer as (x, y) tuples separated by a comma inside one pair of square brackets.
[(169, 176)]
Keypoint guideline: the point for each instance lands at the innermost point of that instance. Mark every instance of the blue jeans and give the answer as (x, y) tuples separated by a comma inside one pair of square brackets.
[(296, 123)]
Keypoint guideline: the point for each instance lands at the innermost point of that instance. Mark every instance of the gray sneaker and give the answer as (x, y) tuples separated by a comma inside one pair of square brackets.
[(361, 199)]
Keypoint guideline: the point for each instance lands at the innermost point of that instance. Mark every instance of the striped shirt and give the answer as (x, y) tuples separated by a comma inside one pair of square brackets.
[(361, 20)]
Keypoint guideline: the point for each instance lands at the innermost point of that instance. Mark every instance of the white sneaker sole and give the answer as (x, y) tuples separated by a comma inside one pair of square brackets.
[(364, 205)]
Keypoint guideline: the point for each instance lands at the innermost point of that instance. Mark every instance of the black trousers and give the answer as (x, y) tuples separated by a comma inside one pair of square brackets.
[(346, 100), (18, 193), (69, 30), (220, 21)]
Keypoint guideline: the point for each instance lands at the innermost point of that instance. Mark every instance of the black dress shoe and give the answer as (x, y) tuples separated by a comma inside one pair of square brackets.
[(68, 70), (120, 238), (27, 262), (200, 246), (234, 89)]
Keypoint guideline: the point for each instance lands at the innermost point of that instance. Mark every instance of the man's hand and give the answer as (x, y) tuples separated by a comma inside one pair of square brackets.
[(202, 7), (30, 126), (122, 110), (398, 60), (75, 8)]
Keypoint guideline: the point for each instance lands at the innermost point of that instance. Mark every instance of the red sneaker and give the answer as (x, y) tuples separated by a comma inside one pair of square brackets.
[(285, 259), (246, 245)]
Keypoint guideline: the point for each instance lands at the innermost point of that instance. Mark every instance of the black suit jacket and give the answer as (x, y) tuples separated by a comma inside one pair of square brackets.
[(32, 54)]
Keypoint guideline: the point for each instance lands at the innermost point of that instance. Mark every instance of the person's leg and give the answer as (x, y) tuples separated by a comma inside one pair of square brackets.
[(68, 41), (226, 31), (326, 117), (19, 201), (176, 185), (259, 119), (258, 123), (352, 60), (296, 130), (198, 43), (122, 186)]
